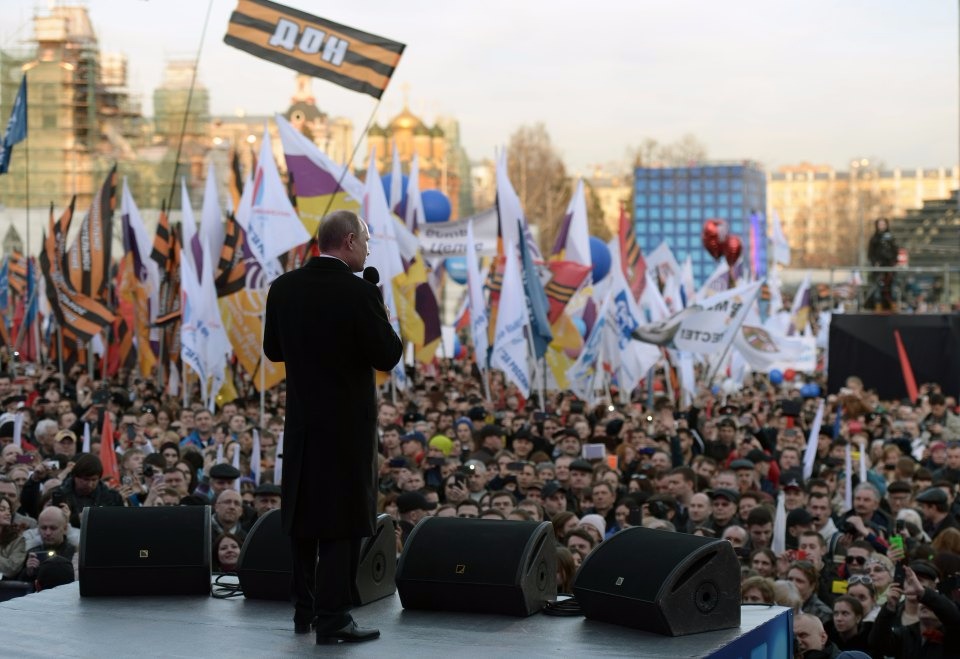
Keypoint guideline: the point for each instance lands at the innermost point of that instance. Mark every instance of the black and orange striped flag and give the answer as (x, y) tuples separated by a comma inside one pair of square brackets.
[(232, 267), (87, 263), (315, 46), (631, 258), (568, 277), (80, 313), (18, 273), (166, 253)]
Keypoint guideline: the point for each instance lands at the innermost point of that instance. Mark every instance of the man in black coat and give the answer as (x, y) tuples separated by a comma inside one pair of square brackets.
[(331, 329)]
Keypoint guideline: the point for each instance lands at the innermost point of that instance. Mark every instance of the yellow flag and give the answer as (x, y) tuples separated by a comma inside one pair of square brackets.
[(241, 313)]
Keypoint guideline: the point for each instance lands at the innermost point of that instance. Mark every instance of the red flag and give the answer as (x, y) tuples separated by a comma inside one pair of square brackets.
[(108, 453), (906, 368)]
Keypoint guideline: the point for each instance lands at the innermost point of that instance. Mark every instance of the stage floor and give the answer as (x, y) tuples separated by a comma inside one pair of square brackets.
[(60, 623)]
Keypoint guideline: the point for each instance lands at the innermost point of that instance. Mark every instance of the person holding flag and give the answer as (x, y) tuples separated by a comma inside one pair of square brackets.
[(331, 330)]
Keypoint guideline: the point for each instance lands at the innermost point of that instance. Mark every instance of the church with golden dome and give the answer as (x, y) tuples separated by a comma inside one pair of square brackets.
[(439, 159)]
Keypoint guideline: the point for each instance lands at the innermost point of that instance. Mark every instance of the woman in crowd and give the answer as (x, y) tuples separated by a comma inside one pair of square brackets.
[(764, 563), (785, 593), (757, 590), (170, 452), (226, 553), (566, 571), (563, 523), (880, 569), (805, 577), (847, 628), (13, 549), (860, 587)]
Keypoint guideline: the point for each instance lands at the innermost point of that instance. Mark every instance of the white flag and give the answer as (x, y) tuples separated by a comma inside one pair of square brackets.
[(478, 309), (396, 182), (508, 205), (149, 270), (211, 217), (18, 429), (278, 461), (255, 457), (510, 348), (584, 371), (810, 455), (577, 244), (273, 227), (86, 437), (236, 465), (413, 213), (779, 543), (188, 224), (781, 247), (717, 282), (847, 480)]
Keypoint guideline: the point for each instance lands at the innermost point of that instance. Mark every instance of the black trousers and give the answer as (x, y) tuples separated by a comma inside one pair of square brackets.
[(325, 580)]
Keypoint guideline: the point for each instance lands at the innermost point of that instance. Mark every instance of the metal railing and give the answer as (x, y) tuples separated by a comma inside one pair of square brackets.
[(910, 289)]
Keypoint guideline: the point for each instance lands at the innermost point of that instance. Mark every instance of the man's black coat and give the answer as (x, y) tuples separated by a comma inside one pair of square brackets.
[(331, 330)]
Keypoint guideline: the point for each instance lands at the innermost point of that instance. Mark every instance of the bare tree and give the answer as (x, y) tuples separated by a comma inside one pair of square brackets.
[(688, 149), (596, 225), (540, 178)]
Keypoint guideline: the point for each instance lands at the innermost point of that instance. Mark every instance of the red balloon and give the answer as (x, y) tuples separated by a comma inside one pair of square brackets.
[(732, 249), (713, 236), (789, 374)]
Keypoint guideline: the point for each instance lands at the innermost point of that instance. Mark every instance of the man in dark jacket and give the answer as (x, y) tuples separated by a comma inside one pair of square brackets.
[(83, 488), (331, 329)]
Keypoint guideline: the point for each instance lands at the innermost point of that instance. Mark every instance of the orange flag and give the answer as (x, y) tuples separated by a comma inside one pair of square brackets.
[(108, 453), (908, 379)]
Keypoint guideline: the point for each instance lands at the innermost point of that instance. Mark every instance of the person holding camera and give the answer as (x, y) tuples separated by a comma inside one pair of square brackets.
[(934, 635), (52, 524)]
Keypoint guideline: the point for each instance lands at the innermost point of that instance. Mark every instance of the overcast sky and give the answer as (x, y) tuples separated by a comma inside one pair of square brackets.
[(779, 82)]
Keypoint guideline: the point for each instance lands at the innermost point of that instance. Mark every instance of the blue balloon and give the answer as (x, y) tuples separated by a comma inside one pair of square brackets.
[(810, 390), (581, 325), (600, 255), (457, 268), (715, 389), (387, 180), (436, 206), (776, 376)]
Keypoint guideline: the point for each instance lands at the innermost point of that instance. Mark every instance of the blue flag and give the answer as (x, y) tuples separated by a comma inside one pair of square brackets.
[(537, 304), (16, 127), (5, 285)]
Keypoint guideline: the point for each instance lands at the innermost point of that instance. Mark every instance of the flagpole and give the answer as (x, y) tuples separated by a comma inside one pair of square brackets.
[(27, 158), (263, 366), (90, 359), (346, 165), (59, 349), (186, 110)]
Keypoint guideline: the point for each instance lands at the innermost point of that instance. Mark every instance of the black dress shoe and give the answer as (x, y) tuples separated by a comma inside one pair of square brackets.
[(300, 627), (350, 633)]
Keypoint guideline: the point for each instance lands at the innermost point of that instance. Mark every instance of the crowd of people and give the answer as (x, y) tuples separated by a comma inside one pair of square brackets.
[(881, 575)]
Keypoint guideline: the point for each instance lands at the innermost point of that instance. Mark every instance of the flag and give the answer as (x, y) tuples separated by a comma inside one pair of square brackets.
[(688, 289), (86, 437), (568, 278), (255, 467), (314, 46), (478, 310), (231, 266), (140, 281), (910, 382), (5, 287), (88, 261), (510, 351), (630, 359), (781, 247), (211, 217), (236, 465), (573, 239), (188, 228), (800, 309), (631, 258), (511, 212), (82, 315), (18, 429), (585, 370), (810, 454), (234, 180), (395, 196), (278, 461), (413, 210), (18, 272), (108, 453), (758, 265), (779, 542), (16, 126), (537, 305)]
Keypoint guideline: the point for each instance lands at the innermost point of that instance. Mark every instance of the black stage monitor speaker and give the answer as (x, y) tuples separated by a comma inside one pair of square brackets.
[(661, 582), (266, 563), (145, 551), (478, 565)]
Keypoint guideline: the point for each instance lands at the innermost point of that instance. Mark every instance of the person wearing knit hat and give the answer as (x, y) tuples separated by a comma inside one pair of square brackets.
[(595, 525), (463, 433), (442, 443)]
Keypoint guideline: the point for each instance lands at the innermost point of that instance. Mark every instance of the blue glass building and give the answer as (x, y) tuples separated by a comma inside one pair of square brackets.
[(671, 203)]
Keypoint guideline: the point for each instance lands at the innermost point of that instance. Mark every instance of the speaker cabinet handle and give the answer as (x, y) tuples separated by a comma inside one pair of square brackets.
[(695, 567), (536, 552)]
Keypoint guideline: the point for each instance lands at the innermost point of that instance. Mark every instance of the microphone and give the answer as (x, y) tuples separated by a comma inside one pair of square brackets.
[(371, 275)]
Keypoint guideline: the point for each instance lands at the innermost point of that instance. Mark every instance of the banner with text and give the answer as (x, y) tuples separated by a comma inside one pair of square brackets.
[(445, 239)]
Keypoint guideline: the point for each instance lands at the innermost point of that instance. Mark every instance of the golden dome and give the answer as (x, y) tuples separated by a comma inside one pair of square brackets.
[(406, 120)]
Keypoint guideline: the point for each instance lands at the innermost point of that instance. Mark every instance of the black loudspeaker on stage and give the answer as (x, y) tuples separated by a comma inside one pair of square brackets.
[(265, 567), (478, 565), (661, 582), (145, 551)]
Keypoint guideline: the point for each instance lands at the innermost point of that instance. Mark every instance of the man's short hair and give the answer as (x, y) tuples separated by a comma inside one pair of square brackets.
[(759, 516), (88, 465), (335, 227)]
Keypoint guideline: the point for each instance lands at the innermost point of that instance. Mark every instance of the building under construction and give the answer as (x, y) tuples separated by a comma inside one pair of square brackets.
[(81, 119)]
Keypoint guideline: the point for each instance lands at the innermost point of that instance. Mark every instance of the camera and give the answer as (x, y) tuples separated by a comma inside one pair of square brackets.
[(101, 396), (849, 527), (57, 497), (148, 471), (44, 555)]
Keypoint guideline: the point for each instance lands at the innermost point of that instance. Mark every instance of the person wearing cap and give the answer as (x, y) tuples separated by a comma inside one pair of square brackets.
[(332, 331), (581, 478), (935, 507), (746, 475), (490, 440), (567, 442), (412, 445), (523, 444), (794, 495), (798, 521), (84, 488), (554, 496), (724, 510), (412, 507), (266, 497), (66, 443)]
